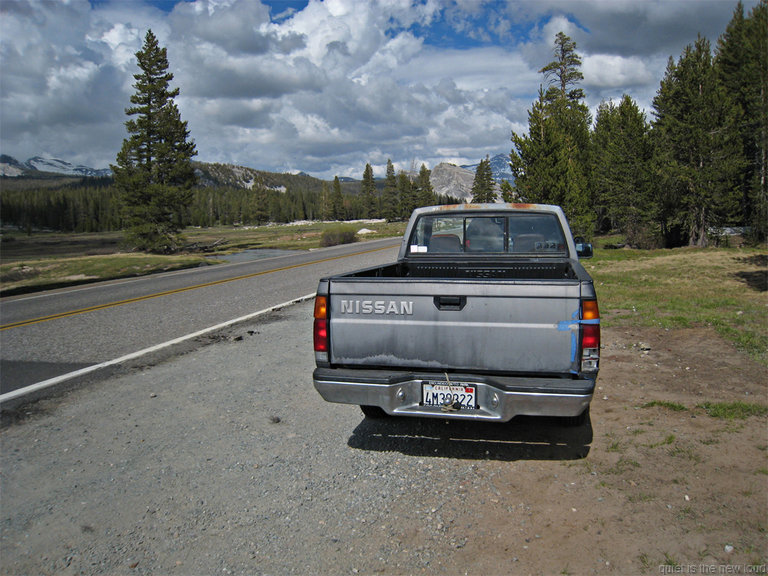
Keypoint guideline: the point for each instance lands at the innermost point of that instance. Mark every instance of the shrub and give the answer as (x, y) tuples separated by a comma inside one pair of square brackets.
[(341, 234)]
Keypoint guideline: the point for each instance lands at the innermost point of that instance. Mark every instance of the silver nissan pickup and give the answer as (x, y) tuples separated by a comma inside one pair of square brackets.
[(486, 315)]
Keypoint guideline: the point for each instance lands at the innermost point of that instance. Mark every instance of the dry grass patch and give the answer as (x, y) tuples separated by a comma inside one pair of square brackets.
[(683, 288)]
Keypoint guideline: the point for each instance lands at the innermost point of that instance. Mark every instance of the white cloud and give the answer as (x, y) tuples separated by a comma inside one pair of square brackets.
[(613, 71), (329, 87), (122, 42)]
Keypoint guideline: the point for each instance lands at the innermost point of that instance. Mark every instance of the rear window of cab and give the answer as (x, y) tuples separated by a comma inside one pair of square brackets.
[(528, 233)]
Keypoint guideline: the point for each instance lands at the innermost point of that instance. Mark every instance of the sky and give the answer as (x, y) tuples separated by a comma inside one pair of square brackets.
[(326, 86)]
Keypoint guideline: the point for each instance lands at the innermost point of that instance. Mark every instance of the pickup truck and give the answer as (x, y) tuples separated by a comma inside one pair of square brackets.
[(487, 314)]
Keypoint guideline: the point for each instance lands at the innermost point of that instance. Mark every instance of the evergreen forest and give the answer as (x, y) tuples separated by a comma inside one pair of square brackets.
[(698, 165)]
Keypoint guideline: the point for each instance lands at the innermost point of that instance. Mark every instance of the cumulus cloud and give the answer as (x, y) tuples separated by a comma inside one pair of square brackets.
[(606, 70), (331, 85)]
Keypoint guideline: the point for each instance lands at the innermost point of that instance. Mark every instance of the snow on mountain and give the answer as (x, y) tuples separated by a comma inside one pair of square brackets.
[(499, 167), (11, 167), (62, 167)]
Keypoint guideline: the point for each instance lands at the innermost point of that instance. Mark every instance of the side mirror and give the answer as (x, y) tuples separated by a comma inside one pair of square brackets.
[(583, 249)]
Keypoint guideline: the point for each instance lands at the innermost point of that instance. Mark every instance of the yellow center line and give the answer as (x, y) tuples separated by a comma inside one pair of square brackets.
[(21, 323)]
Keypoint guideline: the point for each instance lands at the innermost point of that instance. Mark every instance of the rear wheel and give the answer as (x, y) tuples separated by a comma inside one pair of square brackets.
[(373, 412)]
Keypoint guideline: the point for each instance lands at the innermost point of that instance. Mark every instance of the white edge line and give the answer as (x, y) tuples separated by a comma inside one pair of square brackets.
[(68, 376)]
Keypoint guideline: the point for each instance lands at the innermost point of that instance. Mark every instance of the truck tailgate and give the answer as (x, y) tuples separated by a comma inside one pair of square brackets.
[(465, 325)]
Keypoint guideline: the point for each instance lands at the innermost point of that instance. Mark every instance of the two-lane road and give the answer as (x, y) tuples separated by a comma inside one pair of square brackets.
[(46, 335)]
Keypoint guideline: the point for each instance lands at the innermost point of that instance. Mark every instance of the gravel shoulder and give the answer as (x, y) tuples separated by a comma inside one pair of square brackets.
[(225, 460)]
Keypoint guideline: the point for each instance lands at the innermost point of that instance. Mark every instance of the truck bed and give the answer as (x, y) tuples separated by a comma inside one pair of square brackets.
[(440, 268), (458, 316)]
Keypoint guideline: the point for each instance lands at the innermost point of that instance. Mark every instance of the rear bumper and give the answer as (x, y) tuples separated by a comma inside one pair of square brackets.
[(499, 398)]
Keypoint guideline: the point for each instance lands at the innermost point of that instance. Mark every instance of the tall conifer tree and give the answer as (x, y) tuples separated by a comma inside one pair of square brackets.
[(697, 144), (425, 192), (741, 65), (153, 170), (390, 208), (338, 200), (483, 186), (551, 162), (619, 172), (368, 194), (407, 195), (325, 201)]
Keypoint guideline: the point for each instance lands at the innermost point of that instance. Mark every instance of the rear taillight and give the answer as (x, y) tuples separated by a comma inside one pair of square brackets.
[(320, 330), (590, 336)]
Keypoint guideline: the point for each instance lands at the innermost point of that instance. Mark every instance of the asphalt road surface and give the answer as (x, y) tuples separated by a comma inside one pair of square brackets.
[(46, 335)]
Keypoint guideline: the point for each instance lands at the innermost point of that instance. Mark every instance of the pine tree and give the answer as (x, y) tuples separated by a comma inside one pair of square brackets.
[(619, 173), (564, 71), (507, 191), (337, 201), (153, 170), (368, 194), (741, 66), (551, 163), (325, 201), (391, 204), (757, 110), (483, 186), (697, 144), (407, 195), (424, 191), (531, 159)]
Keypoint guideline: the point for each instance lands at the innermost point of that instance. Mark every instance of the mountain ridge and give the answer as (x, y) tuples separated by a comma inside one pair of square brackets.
[(10, 167), (447, 179)]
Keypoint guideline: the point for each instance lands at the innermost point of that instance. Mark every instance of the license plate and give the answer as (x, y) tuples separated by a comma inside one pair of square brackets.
[(442, 394)]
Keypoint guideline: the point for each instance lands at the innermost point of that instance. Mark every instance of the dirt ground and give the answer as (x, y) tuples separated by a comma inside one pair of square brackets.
[(661, 490)]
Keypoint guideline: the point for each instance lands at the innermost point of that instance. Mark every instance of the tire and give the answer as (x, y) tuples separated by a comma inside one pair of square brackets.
[(373, 412)]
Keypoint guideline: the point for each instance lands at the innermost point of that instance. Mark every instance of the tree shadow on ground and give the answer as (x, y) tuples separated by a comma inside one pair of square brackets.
[(755, 279), (523, 438)]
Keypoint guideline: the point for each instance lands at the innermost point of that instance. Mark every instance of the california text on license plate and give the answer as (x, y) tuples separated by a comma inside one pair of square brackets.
[(442, 394)]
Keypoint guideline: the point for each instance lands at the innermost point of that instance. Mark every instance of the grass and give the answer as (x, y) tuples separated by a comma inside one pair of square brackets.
[(670, 561), (674, 406), (50, 273), (734, 410), (641, 497), (623, 465), (304, 236), (722, 410), (685, 452), (723, 288), (614, 446), (670, 439), (51, 260)]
